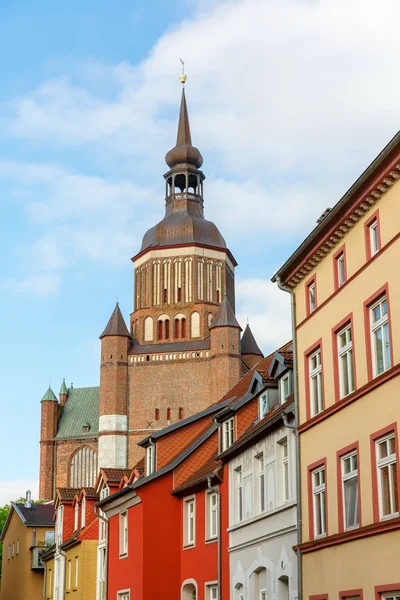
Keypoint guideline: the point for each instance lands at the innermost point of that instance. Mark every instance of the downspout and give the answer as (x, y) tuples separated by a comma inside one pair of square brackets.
[(106, 522), (296, 402), (219, 562)]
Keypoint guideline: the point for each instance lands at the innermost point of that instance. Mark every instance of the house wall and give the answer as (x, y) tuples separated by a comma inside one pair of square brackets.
[(19, 582), (264, 540), (85, 587)]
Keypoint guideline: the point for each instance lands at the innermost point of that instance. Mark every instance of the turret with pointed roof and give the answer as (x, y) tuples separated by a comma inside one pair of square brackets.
[(48, 429), (251, 353), (116, 324)]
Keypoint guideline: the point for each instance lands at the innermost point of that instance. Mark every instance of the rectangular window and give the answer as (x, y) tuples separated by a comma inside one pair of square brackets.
[(190, 522), (228, 433), (239, 494), (76, 571), (123, 596), (13, 549), (340, 276), (102, 573), (263, 595), (9, 551), (263, 405), (49, 537), (311, 296), (285, 386), (69, 574), (261, 482), (386, 463), (212, 592), (315, 371), (76, 517), (374, 245), (319, 501), (285, 470), (83, 512), (123, 533), (380, 336), (345, 359), (150, 462), (212, 516), (350, 500), (395, 595), (17, 547)]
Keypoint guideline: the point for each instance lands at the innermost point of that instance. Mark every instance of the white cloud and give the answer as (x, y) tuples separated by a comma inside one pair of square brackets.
[(14, 489), (267, 309)]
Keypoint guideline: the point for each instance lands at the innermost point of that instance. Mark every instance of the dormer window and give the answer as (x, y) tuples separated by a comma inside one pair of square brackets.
[(83, 514), (227, 428), (150, 459), (86, 428), (76, 517), (263, 405), (285, 386)]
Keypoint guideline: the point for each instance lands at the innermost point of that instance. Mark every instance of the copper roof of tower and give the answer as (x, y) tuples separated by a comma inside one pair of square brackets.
[(184, 152), (116, 325), (248, 344), (225, 316), (184, 221)]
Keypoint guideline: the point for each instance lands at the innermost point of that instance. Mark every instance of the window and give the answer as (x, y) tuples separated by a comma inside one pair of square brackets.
[(263, 405), (239, 494), (102, 573), (319, 501), (391, 596), (13, 549), (227, 434), (69, 574), (311, 296), (315, 370), (380, 336), (212, 592), (190, 522), (261, 482), (212, 516), (83, 469), (76, 571), (9, 551), (17, 547), (285, 470), (349, 464), (123, 596), (263, 595), (123, 533), (387, 476), (49, 537), (104, 493), (345, 357), (373, 232), (59, 524), (150, 459), (83, 512), (285, 385), (340, 276), (76, 517)]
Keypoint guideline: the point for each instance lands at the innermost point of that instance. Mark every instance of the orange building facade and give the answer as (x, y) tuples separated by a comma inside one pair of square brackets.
[(346, 293)]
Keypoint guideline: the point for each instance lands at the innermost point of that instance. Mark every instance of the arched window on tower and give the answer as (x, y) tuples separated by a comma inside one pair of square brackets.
[(209, 281), (188, 280), (163, 327), (83, 468), (156, 283), (195, 325), (148, 329), (179, 327), (218, 281), (157, 414), (180, 413), (200, 279), (178, 280), (168, 414), (167, 282)]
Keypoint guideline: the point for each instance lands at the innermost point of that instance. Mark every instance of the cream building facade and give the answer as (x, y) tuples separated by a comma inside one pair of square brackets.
[(346, 293)]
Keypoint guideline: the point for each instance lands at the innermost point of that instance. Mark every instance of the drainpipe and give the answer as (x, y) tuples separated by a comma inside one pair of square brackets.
[(100, 516), (216, 490), (296, 402)]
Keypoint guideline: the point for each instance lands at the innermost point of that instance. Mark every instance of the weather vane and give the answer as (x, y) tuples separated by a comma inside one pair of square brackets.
[(183, 76)]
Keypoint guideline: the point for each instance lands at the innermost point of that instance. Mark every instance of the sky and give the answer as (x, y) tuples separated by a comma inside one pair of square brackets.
[(289, 101)]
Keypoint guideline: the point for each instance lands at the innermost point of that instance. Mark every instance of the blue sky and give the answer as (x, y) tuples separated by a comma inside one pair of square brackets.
[(289, 101)]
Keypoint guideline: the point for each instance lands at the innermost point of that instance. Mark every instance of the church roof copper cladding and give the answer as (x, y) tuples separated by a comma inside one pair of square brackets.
[(116, 324), (248, 344), (184, 221), (82, 407)]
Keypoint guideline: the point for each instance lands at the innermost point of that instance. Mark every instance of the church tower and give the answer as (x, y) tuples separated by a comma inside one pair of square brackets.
[(183, 272)]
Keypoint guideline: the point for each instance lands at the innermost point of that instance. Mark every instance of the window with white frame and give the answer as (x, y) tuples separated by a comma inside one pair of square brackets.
[(345, 358), (373, 231), (239, 494), (315, 369), (104, 493), (76, 571), (83, 512), (17, 547), (212, 592), (150, 459), (312, 304), (387, 476), (380, 336), (285, 386), (261, 482), (123, 596), (69, 574), (285, 470), (59, 524), (212, 516), (13, 549), (76, 517), (263, 405), (263, 594), (123, 533), (190, 522), (350, 490), (102, 573), (319, 501), (391, 596), (340, 270), (49, 537), (227, 428)]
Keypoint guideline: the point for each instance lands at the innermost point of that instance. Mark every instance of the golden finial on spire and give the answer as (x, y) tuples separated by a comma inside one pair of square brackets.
[(183, 76)]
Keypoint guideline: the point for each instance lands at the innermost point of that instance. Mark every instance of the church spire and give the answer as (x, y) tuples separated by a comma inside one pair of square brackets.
[(184, 153)]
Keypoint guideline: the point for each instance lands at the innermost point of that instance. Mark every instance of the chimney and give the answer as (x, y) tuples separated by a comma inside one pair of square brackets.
[(324, 215), (28, 503)]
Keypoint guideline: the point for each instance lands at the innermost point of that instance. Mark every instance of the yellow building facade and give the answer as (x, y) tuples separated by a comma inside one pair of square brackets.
[(346, 296), (79, 572), (25, 534)]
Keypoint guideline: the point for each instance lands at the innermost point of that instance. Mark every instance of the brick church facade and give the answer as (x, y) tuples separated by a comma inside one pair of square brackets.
[(181, 352)]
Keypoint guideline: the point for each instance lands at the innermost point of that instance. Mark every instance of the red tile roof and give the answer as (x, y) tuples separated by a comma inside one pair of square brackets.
[(210, 467), (66, 493), (112, 475)]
